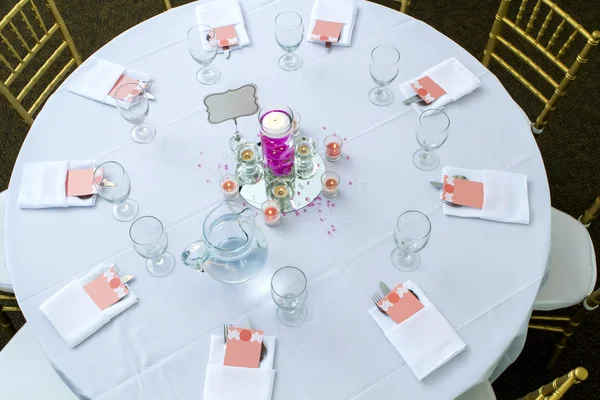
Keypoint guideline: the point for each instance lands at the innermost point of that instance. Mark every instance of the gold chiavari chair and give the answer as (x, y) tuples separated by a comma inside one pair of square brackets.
[(544, 46), (167, 4), (591, 213), (23, 33), (552, 391), (404, 5), (5, 321)]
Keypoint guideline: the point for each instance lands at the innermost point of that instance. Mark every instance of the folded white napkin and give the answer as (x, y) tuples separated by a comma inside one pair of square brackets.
[(426, 341), (96, 77), (75, 315), (505, 197), (342, 11), (219, 13), (452, 76), (234, 383), (43, 185)]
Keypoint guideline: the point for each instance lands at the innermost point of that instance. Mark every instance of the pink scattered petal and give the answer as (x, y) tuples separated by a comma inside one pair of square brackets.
[(297, 213), (328, 201), (284, 214), (347, 157), (324, 128), (345, 139), (321, 219), (219, 165), (333, 205), (318, 165), (319, 198), (298, 193), (199, 165), (226, 167), (308, 183), (305, 210), (329, 233), (335, 230), (244, 204), (319, 203), (306, 198), (333, 226), (201, 152), (208, 181), (319, 211), (350, 183)]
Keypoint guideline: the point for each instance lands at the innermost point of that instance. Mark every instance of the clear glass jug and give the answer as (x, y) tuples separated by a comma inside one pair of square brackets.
[(234, 249)]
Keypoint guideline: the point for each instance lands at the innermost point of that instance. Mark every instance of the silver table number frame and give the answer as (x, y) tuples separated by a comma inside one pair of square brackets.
[(232, 104)]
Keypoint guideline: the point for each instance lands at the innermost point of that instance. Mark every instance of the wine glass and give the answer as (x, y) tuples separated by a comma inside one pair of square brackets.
[(203, 46), (288, 290), (384, 69), (432, 131), (411, 234), (289, 32), (113, 185), (133, 105), (150, 241)]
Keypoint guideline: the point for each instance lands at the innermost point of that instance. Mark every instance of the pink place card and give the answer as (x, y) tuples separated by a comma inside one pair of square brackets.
[(124, 79), (243, 347), (463, 192), (400, 304), (427, 89), (226, 36), (326, 31), (79, 182), (106, 289)]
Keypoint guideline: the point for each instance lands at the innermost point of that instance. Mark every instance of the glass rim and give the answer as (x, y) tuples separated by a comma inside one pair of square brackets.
[(229, 176), (284, 109), (162, 228), (136, 99), (332, 137), (297, 269), (333, 174), (195, 27), (101, 165), (288, 12), (436, 111), (388, 46), (270, 203), (419, 212)]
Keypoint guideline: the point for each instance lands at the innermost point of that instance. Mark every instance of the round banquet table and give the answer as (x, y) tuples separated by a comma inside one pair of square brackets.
[(483, 276)]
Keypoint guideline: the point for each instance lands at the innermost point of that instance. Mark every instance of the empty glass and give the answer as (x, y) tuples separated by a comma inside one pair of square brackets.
[(133, 105), (288, 290), (203, 46), (150, 241), (411, 234), (384, 69), (432, 131), (289, 32), (113, 185)]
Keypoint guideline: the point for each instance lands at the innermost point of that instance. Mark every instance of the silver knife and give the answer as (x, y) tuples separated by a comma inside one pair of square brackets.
[(437, 185), (384, 288), (126, 279), (226, 51), (412, 99)]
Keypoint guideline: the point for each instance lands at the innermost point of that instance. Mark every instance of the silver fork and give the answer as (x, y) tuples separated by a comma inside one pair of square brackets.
[(116, 269), (376, 297)]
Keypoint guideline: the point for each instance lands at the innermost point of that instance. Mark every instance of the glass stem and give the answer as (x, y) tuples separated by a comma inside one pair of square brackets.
[(159, 261), (406, 256), (424, 155), (123, 207)]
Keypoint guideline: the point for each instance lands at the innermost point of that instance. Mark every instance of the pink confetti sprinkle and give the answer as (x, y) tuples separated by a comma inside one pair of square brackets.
[(321, 219), (318, 165), (347, 157), (244, 204), (297, 213), (324, 128), (319, 211), (201, 152), (284, 214), (333, 226), (208, 181), (319, 203), (298, 193), (319, 198), (226, 167), (328, 201), (333, 205), (305, 210), (199, 165), (312, 204), (329, 233), (306, 198), (349, 183), (219, 165), (308, 183), (335, 230), (345, 139)]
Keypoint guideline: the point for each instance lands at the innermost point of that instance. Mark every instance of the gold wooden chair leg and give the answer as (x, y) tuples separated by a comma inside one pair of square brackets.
[(557, 389), (167, 4), (496, 30), (6, 323), (591, 213)]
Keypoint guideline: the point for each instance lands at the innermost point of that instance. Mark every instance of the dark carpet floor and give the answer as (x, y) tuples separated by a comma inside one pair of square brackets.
[(569, 145)]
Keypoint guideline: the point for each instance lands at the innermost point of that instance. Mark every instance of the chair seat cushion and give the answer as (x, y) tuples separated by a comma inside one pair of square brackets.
[(483, 391), (27, 374), (572, 273), (5, 282)]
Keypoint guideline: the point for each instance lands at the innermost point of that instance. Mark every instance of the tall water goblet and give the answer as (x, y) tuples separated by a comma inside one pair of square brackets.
[(384, 69), (289, 31), (288, 290), (203, 46), (432, 131), (411, 234), (112, 183), (133, 105), (150, 241)]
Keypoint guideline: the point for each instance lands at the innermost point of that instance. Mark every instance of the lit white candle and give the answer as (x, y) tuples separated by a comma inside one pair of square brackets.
[(330, 182), (271, 213), (276, 121), (229, 187)]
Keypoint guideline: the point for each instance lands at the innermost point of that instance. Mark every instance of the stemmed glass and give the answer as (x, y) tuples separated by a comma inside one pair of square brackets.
[(288, 290), (289, 31), (432, 132), (150, 241), (203, 46), (133, 105), (384, 69), (113, 185), (411, 234)]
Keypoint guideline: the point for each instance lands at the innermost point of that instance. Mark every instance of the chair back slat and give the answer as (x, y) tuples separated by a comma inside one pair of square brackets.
[(566, 45), (555, 35), (26, 36), (522, 8), (557, 389), (545, 25), (533, 16)]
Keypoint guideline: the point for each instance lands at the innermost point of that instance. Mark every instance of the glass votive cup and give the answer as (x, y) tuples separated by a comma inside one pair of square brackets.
[(333, 147), (280, 190), (306, 148), (330, 182), (229, 186), (297, 119), (271, 213)]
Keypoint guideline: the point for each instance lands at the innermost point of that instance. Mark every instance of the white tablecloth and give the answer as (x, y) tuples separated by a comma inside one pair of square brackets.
[(483, 276)]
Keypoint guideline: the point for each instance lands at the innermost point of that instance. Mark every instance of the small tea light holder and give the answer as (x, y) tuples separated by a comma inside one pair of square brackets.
[(229, 187), (330, 181), (297, 119), (306, 148), (280, 191), (249, 168), (333, 147), (271, 213)]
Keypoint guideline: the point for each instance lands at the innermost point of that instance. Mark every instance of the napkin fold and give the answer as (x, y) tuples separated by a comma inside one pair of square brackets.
[(43, 185), (452, 76), (426, 341), (219, 13), (75, 315), (96, 77), (505, 197), (233, 383), (342, 11)]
